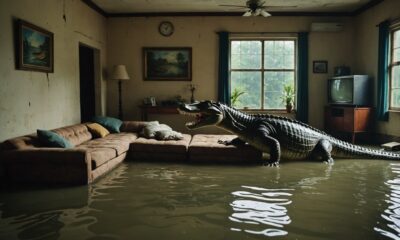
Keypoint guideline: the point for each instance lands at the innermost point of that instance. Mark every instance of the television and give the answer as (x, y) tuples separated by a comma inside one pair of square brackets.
[(353, 90)]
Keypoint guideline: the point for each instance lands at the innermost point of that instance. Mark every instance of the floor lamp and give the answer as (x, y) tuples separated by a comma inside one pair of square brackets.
[(119, 73)]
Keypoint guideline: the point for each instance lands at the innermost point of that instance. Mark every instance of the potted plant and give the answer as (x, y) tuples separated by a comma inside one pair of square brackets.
[(236, 93), (288, 97)]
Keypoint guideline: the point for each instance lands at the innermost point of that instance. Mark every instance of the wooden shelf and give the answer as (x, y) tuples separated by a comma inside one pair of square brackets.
[(148, 109)]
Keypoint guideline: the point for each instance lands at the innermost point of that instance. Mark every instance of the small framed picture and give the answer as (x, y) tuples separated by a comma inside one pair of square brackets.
[(34, 48), (320, 66)]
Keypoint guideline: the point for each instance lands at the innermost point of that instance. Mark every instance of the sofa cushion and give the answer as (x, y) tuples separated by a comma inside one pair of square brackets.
[(205, 147), (118, 142), (112, 124), (155, 146), (97, 130), (99, 156), (75, 134), (104, 149), (52, 139)]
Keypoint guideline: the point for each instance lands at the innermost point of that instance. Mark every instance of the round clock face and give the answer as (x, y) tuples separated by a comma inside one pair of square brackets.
[(166, 28)]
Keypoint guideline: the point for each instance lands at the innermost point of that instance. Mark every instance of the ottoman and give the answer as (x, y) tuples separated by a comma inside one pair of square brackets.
[(159, 150), (205, 148)]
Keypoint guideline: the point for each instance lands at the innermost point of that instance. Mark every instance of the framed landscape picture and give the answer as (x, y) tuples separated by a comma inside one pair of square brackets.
[(34, 48), (167, 63)]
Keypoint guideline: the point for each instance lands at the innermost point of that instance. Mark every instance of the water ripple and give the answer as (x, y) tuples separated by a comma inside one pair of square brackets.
[(392, 213), (261, 208)]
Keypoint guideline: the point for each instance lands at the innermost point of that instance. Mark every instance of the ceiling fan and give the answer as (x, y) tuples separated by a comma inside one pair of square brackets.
[(255, 8)]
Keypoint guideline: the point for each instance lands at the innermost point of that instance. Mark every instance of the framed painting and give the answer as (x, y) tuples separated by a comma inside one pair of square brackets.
[(34, 48), (167, 63), (320, 66)]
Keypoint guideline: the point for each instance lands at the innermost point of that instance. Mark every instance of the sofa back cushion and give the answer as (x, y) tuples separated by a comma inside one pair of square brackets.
[(28, 141), (133, 126), (75, 134)]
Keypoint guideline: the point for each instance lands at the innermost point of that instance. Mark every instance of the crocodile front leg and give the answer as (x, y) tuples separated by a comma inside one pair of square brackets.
[(264, 142), (274, 149)]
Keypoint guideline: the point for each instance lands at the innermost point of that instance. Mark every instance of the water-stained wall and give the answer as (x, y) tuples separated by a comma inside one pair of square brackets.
[(30, 100), (127, 37), (366, 51)]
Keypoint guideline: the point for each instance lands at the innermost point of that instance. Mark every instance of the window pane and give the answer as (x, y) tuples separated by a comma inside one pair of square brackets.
[(396, 98), (273, 83), (395, 77), (396, 39), (250, 84), (396, 54), (279, 54), (245, 54)]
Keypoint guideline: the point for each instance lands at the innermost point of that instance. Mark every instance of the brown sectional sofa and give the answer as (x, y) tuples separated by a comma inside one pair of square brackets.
[(25, 160)]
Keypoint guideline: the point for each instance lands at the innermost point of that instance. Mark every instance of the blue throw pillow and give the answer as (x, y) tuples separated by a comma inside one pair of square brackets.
[(112, 124), (52, 139)]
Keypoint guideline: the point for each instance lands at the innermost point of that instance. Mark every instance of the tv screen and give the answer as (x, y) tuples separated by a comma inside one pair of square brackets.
[(342, 90)]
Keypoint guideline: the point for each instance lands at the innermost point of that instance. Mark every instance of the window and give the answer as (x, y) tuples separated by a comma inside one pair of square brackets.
[(394, 69), (259, 69)]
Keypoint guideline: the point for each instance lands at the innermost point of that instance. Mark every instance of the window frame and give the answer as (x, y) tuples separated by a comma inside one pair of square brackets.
[(264, 70), (391, 64)]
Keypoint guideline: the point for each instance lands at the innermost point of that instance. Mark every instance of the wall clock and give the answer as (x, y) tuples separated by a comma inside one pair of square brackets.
[(166, 28)]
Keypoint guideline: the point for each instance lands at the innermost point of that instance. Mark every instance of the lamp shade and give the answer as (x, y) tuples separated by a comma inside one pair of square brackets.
[(119, 73)]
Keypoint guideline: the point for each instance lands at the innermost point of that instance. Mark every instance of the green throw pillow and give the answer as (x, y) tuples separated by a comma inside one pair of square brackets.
[(112, 124), (52, 139)]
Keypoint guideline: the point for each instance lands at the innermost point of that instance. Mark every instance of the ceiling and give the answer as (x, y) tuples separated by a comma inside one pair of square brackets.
[(115, 7)]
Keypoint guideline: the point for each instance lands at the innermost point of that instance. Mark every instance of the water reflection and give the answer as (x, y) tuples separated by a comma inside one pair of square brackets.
[(392, 214), (261, 211), (55, 213)]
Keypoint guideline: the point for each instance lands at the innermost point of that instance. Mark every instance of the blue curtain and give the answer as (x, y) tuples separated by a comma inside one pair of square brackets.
[(224, 94), (382, 108), (302, 78)]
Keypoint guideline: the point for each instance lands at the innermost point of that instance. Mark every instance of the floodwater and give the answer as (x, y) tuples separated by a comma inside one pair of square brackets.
[(353, 199)]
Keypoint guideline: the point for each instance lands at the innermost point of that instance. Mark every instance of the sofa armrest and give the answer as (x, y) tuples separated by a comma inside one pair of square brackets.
[(47, 165)]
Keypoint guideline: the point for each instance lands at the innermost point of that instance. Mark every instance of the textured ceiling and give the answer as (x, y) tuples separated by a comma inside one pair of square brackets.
[(148, 6)]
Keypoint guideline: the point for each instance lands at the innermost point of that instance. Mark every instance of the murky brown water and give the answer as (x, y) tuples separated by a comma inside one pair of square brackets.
[(353, 199)]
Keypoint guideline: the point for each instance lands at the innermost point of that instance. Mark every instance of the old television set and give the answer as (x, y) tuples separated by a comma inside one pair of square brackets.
[(353, 90)]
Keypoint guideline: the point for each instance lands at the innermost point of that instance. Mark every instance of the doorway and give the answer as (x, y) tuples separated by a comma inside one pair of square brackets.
[(87, 82)]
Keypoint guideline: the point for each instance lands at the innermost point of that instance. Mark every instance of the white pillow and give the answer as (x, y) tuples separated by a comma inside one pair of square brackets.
[(160, 132)]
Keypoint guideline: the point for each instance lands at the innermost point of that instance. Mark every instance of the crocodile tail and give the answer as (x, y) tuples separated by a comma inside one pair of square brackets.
[(342, 149)]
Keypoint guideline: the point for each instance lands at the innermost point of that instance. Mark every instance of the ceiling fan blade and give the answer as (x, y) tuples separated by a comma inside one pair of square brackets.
[(247, 14), (279, 6), (222, 5), (265, 13)]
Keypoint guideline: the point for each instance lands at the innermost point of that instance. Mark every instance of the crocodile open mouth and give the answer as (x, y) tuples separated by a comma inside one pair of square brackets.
[(206, 113), (200, 118)]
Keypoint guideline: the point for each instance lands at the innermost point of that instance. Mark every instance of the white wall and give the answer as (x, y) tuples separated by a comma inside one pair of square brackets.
[(30, 100)]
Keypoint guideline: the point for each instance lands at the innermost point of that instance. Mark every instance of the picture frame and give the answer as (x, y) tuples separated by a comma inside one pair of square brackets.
[(167, 63), (35, 48), (320, 66)]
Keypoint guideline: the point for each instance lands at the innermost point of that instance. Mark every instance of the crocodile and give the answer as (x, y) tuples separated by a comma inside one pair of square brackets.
[(278, 136)]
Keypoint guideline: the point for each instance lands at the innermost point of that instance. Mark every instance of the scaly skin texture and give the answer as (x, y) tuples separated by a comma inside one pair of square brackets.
[(280, 137)]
